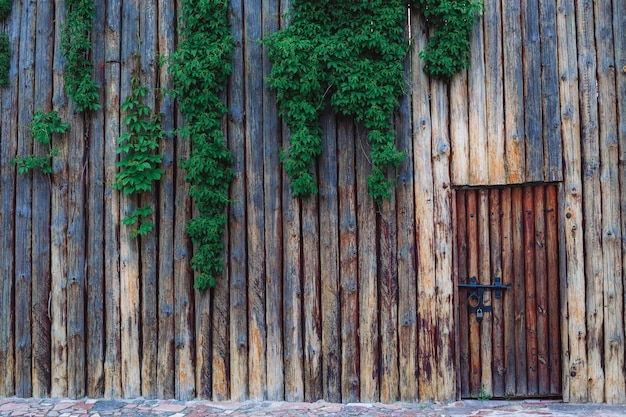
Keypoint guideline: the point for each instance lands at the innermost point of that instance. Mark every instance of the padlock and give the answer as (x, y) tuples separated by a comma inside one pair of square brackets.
[(479, 314)]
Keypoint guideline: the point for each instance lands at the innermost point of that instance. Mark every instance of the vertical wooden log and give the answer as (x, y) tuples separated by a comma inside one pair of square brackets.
[(273, 225), (8, 148), (484, 277), (423, 178), (369, 349), (531, 295), (166, 20), (479, 165), (532, 90), (130, 307), (184, 375), (322, 336), (348, 262), (407, 268), (509, 296), (237, 216), (459, 130), (541, 292), (495, 253), (257, 330), (389, 371), (203, 339), (513, 92), (463, 274), (592, 196), (552, 144), (23, 209), (472, 271), (553, 277), (95, 284), (442, 239), (147, 50), (492, 26), (112, 219), (310, 318), (610, 191), (519, 289), (41, 208)]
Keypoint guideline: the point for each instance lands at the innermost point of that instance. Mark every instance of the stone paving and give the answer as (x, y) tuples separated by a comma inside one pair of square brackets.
[(10, 407)]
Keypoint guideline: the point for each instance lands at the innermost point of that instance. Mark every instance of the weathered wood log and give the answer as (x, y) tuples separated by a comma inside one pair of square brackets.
[(95, 279), (112, 219), (592, 198), (552, 144), (348, 262), (407, 267), (322, 304), (478, 150), (496, 235), (41, 209), (461, 254), (23, 208), (541, 292), (575, 388), (472, 271), (613, 346), (147, 50), (166, 30), (459, 130), (442, 239), (492, 27), (484, 277), (513, 93), (519, 289), (553, 277), (8, 149), (257, 275), (424, 211), (273, 225), (367, 247), (532, 90), (509, 298), (237, 216), (130, 305)]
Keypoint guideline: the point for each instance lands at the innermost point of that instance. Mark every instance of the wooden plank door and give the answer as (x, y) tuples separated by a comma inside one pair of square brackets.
[(509, 338)]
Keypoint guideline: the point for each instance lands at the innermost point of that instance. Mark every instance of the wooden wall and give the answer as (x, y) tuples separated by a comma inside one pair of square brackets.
[(332, 297)]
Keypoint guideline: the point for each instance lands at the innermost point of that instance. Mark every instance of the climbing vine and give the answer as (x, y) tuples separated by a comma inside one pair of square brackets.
[(350, 54), (5, 60), (200, 68), (140, 164), (448, 48), (75, 45), (42, 128), (5, 9)]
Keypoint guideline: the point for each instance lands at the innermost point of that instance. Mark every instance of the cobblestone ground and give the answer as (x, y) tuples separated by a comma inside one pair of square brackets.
[(101, 408)]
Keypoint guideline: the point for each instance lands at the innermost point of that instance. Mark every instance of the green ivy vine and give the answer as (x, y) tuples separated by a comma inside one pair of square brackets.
[(75, 45), (5, 60), (350, 54), (42, 128), (140, 164), (5, 9), (200, 68)]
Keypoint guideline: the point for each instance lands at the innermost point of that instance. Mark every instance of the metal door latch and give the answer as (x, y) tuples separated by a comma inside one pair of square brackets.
[(475, 304)]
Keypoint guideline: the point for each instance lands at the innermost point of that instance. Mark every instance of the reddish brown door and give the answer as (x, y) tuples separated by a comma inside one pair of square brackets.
[(509, 338)]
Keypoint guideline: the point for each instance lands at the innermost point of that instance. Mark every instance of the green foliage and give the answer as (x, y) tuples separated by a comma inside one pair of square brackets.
[(351, 52), (5, 9), (200, 68), (140, 164), (448, 48), (5, 60), (75, 45), (42, 127)]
